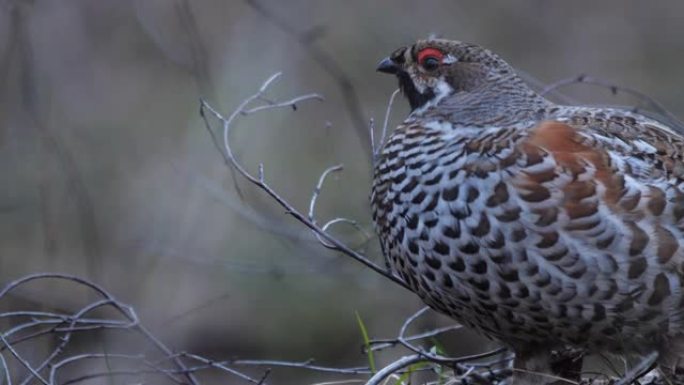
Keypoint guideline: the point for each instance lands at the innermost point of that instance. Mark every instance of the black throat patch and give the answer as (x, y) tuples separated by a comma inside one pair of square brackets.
[(415, 98)]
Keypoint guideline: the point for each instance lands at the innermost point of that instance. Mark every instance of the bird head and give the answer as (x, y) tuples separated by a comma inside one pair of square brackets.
[(431, 70)]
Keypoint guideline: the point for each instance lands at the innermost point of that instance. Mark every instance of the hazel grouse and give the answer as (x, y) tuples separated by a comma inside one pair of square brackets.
[(543, 226)]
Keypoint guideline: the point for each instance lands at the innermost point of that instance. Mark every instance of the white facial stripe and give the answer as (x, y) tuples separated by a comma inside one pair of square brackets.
[(449, 59), (442, 89)]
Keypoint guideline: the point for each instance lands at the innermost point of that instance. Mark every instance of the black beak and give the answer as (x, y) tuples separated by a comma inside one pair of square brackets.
[(388, 66)]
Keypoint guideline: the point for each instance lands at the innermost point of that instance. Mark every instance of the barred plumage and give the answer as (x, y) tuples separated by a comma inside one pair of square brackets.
[(539, 225)]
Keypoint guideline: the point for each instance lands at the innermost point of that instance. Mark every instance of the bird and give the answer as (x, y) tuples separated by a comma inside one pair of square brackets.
[(550, 228)]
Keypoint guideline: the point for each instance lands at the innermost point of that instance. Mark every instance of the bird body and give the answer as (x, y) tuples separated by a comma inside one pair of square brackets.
[(539, 225)]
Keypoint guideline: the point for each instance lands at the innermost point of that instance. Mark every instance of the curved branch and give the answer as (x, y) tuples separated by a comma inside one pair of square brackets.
[(259, 179), (394, 367)]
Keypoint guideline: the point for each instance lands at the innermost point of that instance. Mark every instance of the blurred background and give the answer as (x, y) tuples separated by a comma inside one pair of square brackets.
[(108, 172)]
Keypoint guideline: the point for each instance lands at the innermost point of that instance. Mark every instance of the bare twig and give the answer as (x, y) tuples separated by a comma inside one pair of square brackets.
[(385, 123), (312, 209), (317, 190), (64, 327), (22, 361), (394, 367), (328, 63), (5, 368), (653, 104), (639, 370), (379, 344), (450, 361), (181, 367), (259, 179)]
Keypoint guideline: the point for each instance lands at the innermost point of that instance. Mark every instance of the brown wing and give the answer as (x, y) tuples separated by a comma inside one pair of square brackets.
[(605, 198)]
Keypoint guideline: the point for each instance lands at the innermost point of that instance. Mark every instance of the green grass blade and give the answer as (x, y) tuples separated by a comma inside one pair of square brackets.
[(366, 342)]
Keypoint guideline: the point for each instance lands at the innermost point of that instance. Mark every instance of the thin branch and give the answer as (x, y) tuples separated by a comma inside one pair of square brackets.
[(383, 133), (319, 186), (326, 61), (22, 361), (304, 365), (221, 366), (180, 368), (638, 371), (260, 182), (379, 344), (394, 367), (656, 106), (5, 368), (455, 362), (312, 209)]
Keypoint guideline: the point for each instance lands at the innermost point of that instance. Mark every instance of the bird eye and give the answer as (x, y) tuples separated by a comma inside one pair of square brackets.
[(430, 63), (430, 58)]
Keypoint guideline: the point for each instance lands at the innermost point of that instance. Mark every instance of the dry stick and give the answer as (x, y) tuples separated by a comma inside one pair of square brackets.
[(22, 361), (319, 187), (450, 361), (308, 364), (260, 182), (325, 60), (312, 209), (379, 344), (110, 373), (107, 300), (371, 134), (91, 326), (163, 348), (339, 382), (314, 198), (89, 356), (615, 89), (152, 368), (395, 367), (64, 341), (639, 370), (539, 86), (133, 324), (303, 365), (385, 123), (8, 378), (206, 364), (220, 365)]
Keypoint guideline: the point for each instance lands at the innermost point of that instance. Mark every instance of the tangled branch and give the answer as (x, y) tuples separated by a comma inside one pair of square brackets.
[(149, 358), (28, 326)]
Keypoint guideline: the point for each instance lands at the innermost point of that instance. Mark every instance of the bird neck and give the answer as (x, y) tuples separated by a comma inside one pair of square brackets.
[(495, 101)]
